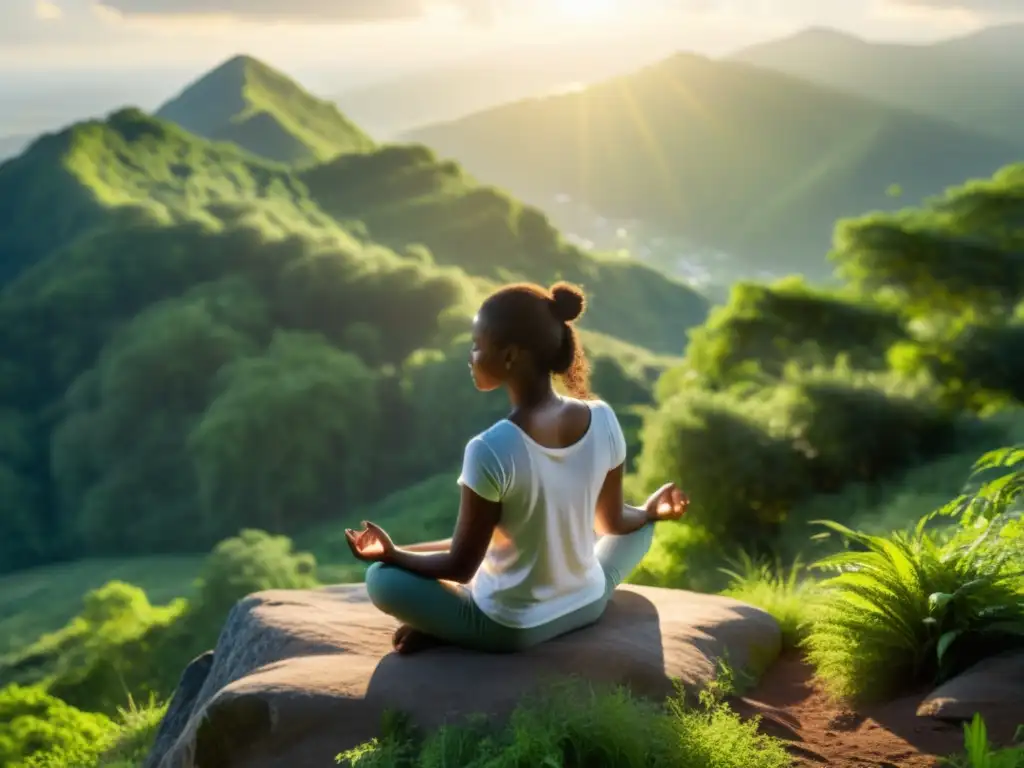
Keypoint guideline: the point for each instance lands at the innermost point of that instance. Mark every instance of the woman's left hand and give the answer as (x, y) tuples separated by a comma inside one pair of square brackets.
[(371, 544)]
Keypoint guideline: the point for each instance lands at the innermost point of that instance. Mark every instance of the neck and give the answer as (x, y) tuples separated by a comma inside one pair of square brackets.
[(531, 394)]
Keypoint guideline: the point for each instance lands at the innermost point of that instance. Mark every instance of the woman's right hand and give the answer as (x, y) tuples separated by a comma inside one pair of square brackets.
[(666, 503)]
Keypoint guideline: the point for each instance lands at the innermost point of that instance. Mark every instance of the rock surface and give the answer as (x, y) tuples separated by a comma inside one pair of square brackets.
[(993, 687), (299, 676)]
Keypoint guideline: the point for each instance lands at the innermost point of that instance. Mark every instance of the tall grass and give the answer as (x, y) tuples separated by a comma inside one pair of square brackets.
[(784, 592), (573, 726)]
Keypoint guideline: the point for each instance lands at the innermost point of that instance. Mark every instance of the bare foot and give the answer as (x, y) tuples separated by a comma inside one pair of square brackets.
[(407, 640)]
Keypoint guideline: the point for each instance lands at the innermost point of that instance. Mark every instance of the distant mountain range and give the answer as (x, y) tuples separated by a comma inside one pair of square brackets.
[(732, 156), (250, 104), (401, 104), (133, 172), (976, 81), (724, 155)]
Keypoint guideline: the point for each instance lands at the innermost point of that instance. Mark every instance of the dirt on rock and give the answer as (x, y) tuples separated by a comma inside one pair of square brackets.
[(823, 732)]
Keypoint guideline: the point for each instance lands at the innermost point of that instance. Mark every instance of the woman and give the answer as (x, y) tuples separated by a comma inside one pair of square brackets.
[(537, 489)]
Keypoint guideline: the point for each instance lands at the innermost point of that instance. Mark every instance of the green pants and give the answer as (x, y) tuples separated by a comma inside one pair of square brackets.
[(448, 612)]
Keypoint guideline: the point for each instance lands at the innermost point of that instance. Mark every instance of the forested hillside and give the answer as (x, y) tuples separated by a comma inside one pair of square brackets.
[(973, 81), (213, 363), (175, 309), (740, 159), (250, 104)]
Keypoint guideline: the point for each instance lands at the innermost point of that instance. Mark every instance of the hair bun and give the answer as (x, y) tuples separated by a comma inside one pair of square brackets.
[(567, 301)]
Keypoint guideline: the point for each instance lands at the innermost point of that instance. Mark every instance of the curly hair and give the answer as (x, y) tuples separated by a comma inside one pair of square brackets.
[(542, 321)]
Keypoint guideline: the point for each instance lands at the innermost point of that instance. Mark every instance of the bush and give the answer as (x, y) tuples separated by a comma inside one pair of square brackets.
[(581, 728), (120, 647), (914, 609), (250, 562), (32, 723), (748, 456)]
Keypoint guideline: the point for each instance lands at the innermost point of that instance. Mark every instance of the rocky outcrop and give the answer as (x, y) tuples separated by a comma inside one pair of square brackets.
[(993, 688), (299, 676)]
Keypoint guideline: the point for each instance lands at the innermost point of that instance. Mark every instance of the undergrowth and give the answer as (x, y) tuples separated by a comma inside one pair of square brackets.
[(574, 726), (979, 752), (917, 608), (784, 592)]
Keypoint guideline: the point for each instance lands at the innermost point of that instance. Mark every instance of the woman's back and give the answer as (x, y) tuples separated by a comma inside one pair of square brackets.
[(541, 564)]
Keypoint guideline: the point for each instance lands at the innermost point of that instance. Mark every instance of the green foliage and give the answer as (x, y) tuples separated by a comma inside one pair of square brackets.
[(959, 254), (682, 556), (762, 329), (406, 198), (288, 434), (575, 726), (912, 608), (40, 601), (979, 752), (201, 296), (120, 648), (34, 723), (979, 365), (251, 562), (746, 462), (125, 745), (783, 592), (250, 104), (722, 153)]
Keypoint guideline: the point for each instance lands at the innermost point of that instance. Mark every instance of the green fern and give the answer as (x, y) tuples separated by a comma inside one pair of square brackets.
[(905, 611)]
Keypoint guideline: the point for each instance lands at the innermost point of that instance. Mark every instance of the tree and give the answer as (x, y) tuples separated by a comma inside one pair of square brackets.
[(289, 437)]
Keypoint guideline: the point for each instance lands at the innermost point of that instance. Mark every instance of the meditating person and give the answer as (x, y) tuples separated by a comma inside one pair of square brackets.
[(543, 536)]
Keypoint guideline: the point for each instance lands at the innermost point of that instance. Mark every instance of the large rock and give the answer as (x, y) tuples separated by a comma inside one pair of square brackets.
[(993, 688), (299, 676)]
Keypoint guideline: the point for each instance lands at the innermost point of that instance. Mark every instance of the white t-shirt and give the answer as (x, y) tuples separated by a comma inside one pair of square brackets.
[(540, 564)]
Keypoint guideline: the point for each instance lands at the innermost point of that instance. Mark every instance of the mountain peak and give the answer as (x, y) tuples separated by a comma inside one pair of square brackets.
[(250, 103)]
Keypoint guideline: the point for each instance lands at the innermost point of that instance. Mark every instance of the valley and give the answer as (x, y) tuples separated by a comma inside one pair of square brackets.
[(236, 322)]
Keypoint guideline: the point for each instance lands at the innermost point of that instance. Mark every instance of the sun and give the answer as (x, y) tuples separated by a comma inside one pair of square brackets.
[(585, 10)]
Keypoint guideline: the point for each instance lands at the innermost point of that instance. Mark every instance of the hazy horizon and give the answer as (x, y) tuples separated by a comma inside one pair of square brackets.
[(65, 60)]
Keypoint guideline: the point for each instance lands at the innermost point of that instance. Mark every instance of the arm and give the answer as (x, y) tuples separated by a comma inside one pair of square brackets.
[(478, 518), (613, 515), (442, 545)]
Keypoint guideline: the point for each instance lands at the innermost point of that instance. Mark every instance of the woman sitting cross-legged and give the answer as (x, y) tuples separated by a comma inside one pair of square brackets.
[(543, 536)]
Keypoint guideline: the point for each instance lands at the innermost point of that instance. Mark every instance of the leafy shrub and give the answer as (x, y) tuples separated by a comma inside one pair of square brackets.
[(764, 328), (911, 609), (739, 475), (682, 556), (125, 746), (578, 727), (250, 562), (120, 647), (749, 455), (34, 722), (125, 647)]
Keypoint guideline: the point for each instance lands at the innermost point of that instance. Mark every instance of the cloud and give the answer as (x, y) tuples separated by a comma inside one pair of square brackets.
[(990, 8), (333, 11)]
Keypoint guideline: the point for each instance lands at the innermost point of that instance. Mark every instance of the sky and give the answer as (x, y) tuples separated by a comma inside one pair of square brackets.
[(49, 35), (107, 51)]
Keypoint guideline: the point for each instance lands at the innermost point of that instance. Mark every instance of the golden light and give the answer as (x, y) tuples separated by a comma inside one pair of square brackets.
[(585, 10)]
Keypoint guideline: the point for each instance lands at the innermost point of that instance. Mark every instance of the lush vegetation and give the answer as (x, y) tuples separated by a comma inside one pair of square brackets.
[(205, 352), (730, 156), (192, 305), (250, 104)]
